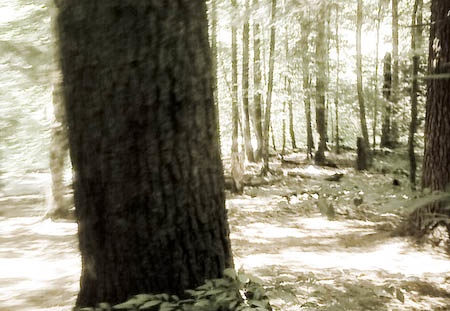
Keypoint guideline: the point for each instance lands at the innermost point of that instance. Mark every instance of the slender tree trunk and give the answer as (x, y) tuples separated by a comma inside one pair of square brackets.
[(149, 196), (213, 22), (395, 76), (359, 82), (306, 29), (416, 34), (321, 84), (59, 147), (386, 116), (267, 113), (245, 101), (257, 88), (237, 173), (336, 97), (291, 116), (377, 51)]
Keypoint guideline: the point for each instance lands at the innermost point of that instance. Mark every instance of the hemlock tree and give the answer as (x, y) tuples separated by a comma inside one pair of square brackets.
[(436, 162), (149, 197)]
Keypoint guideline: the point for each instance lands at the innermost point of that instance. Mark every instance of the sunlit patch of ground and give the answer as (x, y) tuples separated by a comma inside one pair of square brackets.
[(312, 263), (39, 262), (307, 259)]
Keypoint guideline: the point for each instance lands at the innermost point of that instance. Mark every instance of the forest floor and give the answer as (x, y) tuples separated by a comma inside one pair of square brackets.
[(315, 244)]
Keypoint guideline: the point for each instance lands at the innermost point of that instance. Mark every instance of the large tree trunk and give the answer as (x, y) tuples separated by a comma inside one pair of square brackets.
[(245, 101), (267, 113), (436, 162), (306, 28), (321, 84), (257, 89), (149, 181), (416, 33), (359, 82)]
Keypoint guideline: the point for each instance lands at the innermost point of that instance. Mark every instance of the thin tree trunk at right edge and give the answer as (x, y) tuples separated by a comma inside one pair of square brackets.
[(267, 113), (245, 101), (359, 82)]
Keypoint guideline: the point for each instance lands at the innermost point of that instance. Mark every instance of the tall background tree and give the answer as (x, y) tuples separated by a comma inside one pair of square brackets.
[(138, 90), (359, 86), (267, 113), (321, 82)]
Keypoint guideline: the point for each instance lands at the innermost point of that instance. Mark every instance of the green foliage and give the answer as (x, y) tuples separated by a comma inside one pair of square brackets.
[(233, 292)]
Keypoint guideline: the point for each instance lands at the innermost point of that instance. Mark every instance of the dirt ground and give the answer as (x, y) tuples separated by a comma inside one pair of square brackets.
[(315, 244)]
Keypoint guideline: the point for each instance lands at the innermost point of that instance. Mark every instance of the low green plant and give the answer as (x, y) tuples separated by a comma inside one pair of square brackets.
[(236, 291)]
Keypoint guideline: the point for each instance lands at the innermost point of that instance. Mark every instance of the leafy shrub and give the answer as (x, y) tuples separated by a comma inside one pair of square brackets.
[(233, 292)]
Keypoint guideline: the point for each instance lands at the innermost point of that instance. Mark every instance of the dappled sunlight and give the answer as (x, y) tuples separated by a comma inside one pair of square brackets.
[(39, 259)]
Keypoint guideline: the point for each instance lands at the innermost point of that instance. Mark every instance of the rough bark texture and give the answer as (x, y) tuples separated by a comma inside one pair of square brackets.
[(306, 28), (267, 113), (245, 101), (144, 144), (321, 84), (386, 114), (257, 76), (359, 80), (436, 163)]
